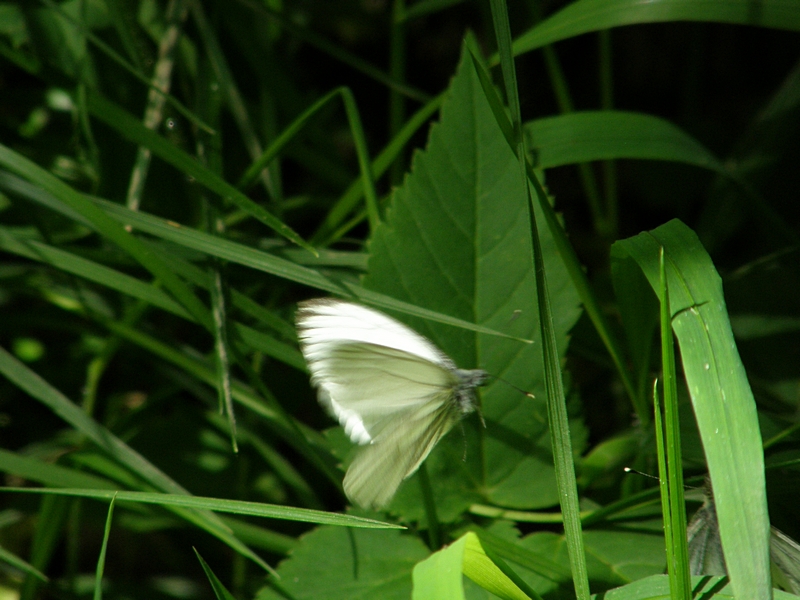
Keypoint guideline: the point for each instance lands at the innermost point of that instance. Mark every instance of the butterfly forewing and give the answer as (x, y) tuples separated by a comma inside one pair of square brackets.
[(372, 385), (326, 323)]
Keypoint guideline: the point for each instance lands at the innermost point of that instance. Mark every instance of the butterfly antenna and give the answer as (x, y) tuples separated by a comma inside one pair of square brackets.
[(642, 473), (706, 487), (520, 390)]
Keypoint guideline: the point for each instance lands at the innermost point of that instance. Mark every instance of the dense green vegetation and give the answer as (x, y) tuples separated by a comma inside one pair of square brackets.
[(175, 177)]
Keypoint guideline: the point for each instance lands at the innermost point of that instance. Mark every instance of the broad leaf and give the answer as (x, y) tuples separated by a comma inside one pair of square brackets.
[(337, 563), (455, 240)]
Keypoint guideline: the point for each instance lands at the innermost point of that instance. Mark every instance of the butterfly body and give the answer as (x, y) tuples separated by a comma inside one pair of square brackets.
[(392, 390)]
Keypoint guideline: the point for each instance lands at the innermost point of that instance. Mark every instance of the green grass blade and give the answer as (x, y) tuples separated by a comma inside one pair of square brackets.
[(238, 507), (670, 460), (286, 136), (51, 517), (604, 135), (328, 231), (593, 15), (367, 185), (533, 561), (76, 204), (281, 465), (274, 265), (16, 562), (69, 262), (357, 129), (663, 486), (220, 591), (259, 537), (38, 388), (132, 129), (52, 475), (440, 575), (155, 296), (226, 83), (574, 268), (723, 402), (244, 255), (101, 559), (124, 64), (556, 400)]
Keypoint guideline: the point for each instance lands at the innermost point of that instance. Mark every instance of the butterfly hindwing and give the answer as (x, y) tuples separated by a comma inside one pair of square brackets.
[(705, 548), (706, 556), (379, 468), (784, 554)]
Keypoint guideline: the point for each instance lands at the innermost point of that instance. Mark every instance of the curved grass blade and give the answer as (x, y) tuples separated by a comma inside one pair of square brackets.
[(101, 560), (52, 192), (220, 591), (30, 382), (609, 134), (721, 396), (558, 419), (131, 128), (594, 15), (237, 507)]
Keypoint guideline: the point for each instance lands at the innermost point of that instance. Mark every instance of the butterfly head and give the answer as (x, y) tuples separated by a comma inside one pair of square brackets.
[(468, 380)]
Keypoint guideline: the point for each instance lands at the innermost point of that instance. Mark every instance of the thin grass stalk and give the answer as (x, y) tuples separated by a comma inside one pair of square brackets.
[(434, 527), (109, 52), (226, 83), (680, 583), (663, 482), (332, 229), (556, 402), (156, 99), (673, 435), (101, 559)]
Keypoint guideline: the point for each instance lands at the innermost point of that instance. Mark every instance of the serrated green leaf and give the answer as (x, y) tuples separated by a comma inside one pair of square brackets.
[(455, 239)]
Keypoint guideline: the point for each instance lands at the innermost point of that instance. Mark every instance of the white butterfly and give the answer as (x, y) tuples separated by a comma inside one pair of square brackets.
[(392, 390), (705, 546), (706, 557)]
